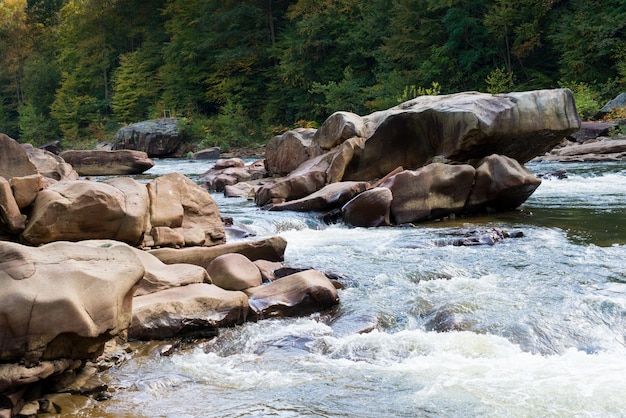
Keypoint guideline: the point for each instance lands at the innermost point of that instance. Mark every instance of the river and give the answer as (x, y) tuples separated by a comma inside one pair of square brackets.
[(531, 326)]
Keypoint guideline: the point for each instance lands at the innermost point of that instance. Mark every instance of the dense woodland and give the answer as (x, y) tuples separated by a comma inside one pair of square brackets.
[(238, 72)]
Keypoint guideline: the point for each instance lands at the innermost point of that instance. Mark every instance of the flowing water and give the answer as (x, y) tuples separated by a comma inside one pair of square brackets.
[(531, 326)]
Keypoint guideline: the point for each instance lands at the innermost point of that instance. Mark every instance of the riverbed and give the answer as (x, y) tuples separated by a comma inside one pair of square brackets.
[(530, 326)]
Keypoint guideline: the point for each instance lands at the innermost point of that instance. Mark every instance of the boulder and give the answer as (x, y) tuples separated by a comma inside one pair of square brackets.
[(309, 177), (329, 197), (14, 161), (605, 149), (284, 153), (339, 127), (430, 192), (368, 209), (50, 165), (80, 210), (272, 249), (10, 217), (243, 189), (25, 189), (616, 103), (223, 163), (297, 294), (192, 310), (229, 172), (501, 183), (63, 300), (268, 269), (464, 127), (212, 153), (107, 163), (591, 130), (158, 275), (157, 137), (234, 272), (177, 202), (14, 375)]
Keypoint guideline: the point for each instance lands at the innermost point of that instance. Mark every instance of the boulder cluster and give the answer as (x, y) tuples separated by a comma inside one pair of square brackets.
[(430, 157), (85, 262)]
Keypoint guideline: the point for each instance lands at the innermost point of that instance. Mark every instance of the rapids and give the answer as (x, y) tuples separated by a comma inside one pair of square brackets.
[(530, 326)]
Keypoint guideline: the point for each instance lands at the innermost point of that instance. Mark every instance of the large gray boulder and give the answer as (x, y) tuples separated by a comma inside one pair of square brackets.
[(157, 137), (465, 127)]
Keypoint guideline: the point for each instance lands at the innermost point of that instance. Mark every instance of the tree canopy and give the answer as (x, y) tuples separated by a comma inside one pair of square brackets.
[(240, 71)]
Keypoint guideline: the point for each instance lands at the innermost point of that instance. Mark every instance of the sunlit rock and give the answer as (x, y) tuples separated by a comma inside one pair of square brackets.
[(192, 310), (63, 300), (297, 294), (105, 163), (234, 272), (80, 210)]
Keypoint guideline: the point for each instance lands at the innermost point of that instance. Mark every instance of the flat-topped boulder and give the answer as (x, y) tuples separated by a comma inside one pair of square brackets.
[(157, 137), (107, 163), (604, 149), (465, 127)]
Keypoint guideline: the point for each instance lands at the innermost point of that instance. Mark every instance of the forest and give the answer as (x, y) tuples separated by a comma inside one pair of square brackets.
[(239, 72)]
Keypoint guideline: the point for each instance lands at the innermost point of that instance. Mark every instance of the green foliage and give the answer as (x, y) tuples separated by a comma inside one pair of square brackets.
[(240, 71), (499, 81), (36, 128), (585, 97), (411, 92)]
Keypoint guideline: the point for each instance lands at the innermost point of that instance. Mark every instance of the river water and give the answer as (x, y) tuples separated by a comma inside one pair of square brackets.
[(531, 326)]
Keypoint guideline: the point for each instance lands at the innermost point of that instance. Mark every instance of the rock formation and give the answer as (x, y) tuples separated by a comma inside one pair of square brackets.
[(107, 163), (157, 138)]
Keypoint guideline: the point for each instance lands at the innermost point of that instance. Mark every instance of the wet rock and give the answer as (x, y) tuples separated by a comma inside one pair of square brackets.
[(105, 163), (234, 272), (501, 183), (212, 153), (559, 174), (227, 173), (272, 249), (268, 269), (196, 309), (433, 191), (483, 236), (329, 197), (369, 209), (297, 294)]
